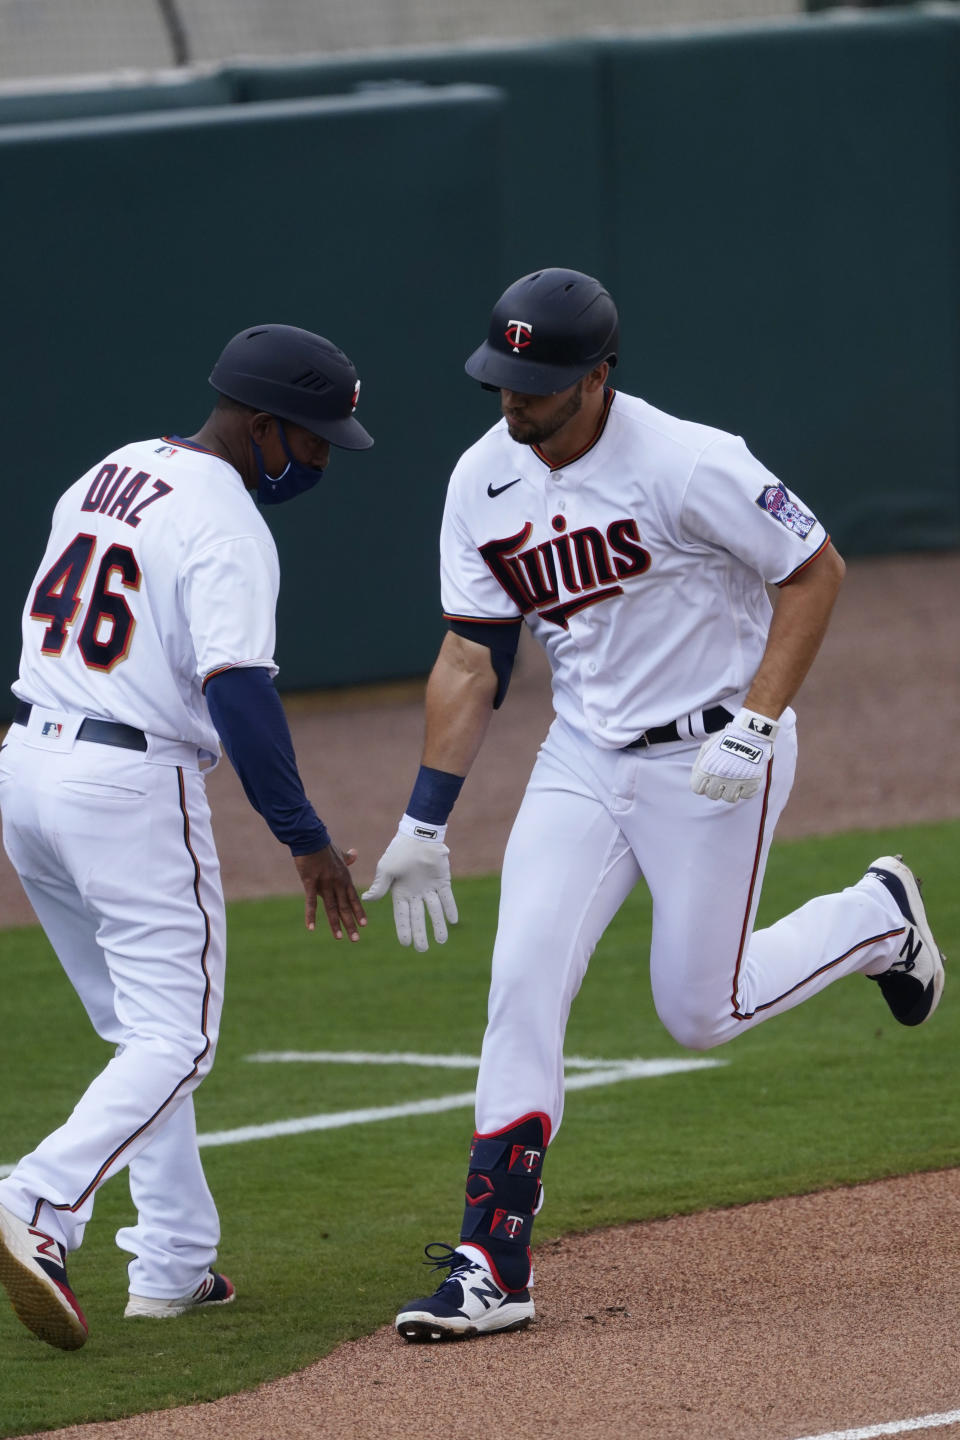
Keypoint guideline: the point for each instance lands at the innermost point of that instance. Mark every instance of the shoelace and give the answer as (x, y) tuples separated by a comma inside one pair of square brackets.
[(449, 1258)]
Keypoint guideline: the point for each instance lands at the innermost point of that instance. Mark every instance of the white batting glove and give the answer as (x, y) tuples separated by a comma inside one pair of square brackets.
[(732, 765), (416, 870)]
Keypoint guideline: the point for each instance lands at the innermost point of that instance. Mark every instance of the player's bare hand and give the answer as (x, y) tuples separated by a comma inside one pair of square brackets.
[(417, 874), (325, 877), (732, 765)]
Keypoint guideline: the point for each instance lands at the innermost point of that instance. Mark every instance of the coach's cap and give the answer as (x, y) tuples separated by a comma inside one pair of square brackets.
[(297, 376), (547, 331)]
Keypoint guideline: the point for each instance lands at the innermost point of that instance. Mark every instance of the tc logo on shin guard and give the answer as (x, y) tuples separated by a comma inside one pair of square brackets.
[(506, 1226), (524, 1158)]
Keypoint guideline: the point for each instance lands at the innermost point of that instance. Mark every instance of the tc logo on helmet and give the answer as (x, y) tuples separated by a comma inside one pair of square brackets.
[(356, 397), (518, 334)]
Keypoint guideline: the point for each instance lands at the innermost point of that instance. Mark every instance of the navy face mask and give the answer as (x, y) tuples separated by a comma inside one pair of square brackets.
[(293, 480)]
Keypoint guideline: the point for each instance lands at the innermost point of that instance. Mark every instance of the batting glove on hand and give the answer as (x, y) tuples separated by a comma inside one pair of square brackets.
[(417, 873), (732, 765)]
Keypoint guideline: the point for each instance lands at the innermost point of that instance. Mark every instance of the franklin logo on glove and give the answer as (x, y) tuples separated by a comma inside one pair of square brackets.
[(753, 753), (732, 764)]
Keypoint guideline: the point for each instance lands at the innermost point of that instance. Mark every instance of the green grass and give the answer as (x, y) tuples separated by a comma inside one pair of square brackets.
[(322, 1232)]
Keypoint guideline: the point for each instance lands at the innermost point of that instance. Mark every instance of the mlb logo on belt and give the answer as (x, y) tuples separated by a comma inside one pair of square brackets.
[(52, 728)]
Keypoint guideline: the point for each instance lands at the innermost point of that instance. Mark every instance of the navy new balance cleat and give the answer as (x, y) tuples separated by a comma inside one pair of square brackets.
[(213, 1289), (914, 983), (469, 1302), (33, 1271)]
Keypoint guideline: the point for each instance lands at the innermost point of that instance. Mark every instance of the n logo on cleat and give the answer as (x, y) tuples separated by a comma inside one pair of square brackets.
[(910, 949), (487, 1292), (49, 1246)]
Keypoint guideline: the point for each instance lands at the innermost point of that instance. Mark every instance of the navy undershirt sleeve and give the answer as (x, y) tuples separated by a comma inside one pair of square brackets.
[(250, 720), (500, 639)]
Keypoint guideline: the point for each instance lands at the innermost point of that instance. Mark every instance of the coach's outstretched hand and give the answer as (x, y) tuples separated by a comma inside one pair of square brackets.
[(324, 876), (417, 873)]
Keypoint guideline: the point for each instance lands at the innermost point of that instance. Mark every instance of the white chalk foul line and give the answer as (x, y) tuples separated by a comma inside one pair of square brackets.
[(338, 1120), (889, 1427), (595, 1072), (606, 1073), (452, 1062), (363, 1057)]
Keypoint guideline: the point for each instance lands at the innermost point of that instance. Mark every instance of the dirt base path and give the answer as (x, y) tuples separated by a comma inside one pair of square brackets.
[(846, 1314)]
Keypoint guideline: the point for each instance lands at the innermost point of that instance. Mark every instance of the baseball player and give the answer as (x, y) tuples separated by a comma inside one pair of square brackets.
[(148, 638), (637, 548)]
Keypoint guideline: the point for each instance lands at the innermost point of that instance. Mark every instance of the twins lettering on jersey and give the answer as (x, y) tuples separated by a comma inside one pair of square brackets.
[(588, 563)]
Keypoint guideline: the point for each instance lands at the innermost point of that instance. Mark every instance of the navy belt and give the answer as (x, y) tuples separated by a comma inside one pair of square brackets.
[(100, 732), (714, 719)]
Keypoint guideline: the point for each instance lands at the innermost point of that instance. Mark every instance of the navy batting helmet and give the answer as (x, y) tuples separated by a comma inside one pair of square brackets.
[(547, 330), (296, 376)]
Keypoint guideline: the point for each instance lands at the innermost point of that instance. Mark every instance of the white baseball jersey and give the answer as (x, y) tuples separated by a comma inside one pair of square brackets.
[(639, 564), (159, 571)]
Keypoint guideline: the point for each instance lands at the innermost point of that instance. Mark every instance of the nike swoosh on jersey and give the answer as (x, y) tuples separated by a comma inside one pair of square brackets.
[(499, 489)]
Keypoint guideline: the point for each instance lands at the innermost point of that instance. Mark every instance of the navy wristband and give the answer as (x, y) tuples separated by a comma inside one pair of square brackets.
[(434, 795)]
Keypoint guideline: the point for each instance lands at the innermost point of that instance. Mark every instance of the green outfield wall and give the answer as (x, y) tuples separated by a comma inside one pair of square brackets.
[(785, 217), (776, 210), (554, 189), (170, 90), (140, 246)]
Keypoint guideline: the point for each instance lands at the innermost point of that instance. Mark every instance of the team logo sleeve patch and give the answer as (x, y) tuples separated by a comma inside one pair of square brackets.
[(777, 502)]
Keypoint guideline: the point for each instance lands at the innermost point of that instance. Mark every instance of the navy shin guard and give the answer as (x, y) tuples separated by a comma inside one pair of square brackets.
[(503, 1195)]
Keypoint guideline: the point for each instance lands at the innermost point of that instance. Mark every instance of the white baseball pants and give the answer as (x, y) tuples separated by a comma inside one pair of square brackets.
[(592, 822), (116, 854)]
